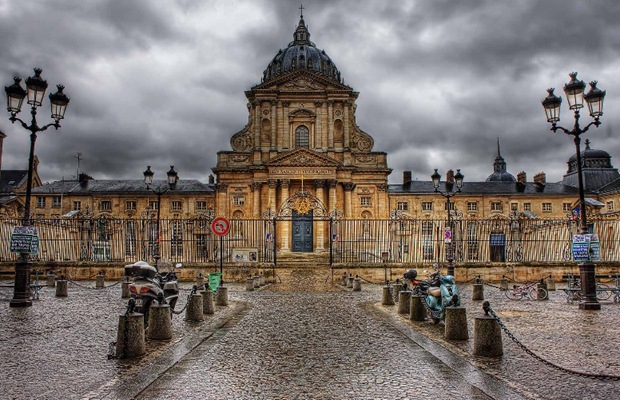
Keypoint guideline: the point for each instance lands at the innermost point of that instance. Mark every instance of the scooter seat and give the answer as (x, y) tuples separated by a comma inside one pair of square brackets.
[(434, 291)]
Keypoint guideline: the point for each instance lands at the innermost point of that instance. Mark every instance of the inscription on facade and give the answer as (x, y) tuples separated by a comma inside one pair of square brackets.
[(299, 171)]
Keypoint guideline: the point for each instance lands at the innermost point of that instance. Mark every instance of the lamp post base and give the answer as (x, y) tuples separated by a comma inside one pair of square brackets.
[(588, 287), (21, 292)]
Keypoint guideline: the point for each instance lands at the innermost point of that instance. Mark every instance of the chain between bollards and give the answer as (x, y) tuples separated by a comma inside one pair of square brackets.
[(486, 306), (194, 289), (131, 304)]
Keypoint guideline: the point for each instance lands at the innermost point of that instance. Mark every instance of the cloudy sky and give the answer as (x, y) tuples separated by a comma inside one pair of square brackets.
[(162, 82)]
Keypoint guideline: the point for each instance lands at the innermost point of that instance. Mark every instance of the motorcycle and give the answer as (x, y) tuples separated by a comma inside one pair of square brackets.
[(149, 285), (439, 292)]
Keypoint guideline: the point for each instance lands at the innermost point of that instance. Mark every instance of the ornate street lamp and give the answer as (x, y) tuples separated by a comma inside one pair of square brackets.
[(451, 180), (15, 94), (173, 177), (574, 91)]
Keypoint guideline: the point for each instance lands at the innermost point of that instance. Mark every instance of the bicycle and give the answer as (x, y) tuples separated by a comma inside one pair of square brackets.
[(603, 291), (528, 290)]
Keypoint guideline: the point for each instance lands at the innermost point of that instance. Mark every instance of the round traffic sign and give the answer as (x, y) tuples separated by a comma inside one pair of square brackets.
[(220, 226), (448, 234)]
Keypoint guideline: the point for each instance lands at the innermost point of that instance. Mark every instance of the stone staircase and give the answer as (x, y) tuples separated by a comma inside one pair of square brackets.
[(303, 260)]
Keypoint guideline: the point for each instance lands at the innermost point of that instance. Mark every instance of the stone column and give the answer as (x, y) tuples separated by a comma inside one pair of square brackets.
[(383, 207), (319, 184), (257, 124), (345, 121), (330, 126), (348, 189), (272, 201), (256, 186), (284, 238), (222, 198), (332, 194), (318, 126), (274, 135), (286, 128)]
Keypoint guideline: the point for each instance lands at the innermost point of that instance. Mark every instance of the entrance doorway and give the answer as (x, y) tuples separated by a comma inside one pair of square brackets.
[(302, 232)]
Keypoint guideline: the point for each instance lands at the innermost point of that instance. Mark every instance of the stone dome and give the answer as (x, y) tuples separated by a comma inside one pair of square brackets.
[(301, 53), (591, 158), (500, 173)]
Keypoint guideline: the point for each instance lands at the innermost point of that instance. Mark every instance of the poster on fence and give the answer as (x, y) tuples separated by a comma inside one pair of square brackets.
[(586, 248), (245, 254)]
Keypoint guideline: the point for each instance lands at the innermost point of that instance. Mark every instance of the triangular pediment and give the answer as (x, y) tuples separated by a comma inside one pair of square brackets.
[(303, 158), (301, 80)]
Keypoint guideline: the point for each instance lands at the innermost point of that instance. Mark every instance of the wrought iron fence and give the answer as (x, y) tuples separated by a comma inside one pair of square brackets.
[(107, 239)]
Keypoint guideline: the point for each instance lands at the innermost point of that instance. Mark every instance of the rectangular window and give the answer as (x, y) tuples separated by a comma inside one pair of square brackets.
[(546, 207), (610, 205), (472, 206), (56, 201), (496, 206), (445, 206), (177, 205), (130, 205), (238, 200), (402, 206), (105, 205), (365, 201), (527, 206), (514, 206), (77, 205), (201, 206), (567, 207), (427, 206), (153, 205), (40, 202)]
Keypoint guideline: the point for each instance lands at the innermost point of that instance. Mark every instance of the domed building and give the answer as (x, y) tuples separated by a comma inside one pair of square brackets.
[(301, 154), (500, 174), (597, 169)]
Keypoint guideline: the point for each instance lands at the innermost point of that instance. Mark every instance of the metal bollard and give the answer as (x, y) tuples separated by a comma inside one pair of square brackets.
[(503, 284), (249, 284), (100, 281), (208, 307), (404, 302), (550, 284), (51, 279), (417, 311), (193, 312), (357, 284), (160, 322), (487, 336), (221, 299), (387, 299), (541, 289), (456, 323), (125, 294), (130, 337), (61, 287)]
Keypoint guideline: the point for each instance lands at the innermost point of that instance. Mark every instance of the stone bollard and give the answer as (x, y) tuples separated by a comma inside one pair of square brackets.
[(160, 322), (208, 307), (417, 311), (478, 289), (262, 280), (200, 281), (100, 281), (193, 312), (249, 284), (51, 279), (221, 299), (125, 294), (61, 287), (404, 302), (130, 338), (503, 284), (350, 282), (357, 284), (344, 280), (397, 288), (487, 337), (387, 299), (456, 323), (550, 284), (541, 289), (256, 281)]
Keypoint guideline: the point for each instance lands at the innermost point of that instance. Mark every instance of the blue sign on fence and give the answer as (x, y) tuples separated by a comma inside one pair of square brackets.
[(586, 248)]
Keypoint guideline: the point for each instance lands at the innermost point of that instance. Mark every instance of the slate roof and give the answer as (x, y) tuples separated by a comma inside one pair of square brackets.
[(16, 176), (117, 186), (487, 188)]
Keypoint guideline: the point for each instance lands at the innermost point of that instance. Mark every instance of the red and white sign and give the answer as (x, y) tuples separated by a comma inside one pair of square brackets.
[(220, 226)]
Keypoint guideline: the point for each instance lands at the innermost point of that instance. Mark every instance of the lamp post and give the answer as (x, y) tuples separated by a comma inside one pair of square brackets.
[(35, 91), (574, 91), (451, 180), (173, 177)]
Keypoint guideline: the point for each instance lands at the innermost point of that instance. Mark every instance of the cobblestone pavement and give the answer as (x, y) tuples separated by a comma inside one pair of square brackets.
[(307, 341)]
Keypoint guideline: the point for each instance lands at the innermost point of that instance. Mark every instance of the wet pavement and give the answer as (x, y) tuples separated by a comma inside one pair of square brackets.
[(302, 339)]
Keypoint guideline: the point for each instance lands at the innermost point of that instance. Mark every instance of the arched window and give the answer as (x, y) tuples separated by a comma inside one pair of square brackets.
[(302, 137)]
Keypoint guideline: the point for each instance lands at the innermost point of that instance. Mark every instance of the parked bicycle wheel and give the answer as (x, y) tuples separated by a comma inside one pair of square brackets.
[(514, 294), (603, 294), (535, 292)]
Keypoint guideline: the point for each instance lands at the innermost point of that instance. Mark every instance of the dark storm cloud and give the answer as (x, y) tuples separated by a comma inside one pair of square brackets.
[(161, 82)]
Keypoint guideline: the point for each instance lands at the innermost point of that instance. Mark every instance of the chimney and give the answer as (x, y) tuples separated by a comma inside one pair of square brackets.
[(211, 179), (84, 178), (406, 177), (521, 181), (540, 179), (450, 176)]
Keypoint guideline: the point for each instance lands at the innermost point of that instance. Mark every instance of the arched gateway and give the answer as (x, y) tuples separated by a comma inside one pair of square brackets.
[(301, 155)]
